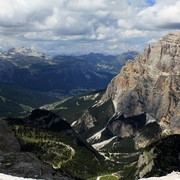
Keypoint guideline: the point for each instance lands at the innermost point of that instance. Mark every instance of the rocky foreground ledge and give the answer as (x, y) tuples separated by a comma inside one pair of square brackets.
[(172, 176)]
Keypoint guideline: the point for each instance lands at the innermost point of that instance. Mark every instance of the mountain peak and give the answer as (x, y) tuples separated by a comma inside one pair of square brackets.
[(150, 84), (26, 52), (172, 37), (21, 50), (163, 56)]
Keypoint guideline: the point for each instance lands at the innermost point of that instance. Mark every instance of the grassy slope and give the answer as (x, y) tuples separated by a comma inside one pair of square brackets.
[(59, 151), (15, 100), (72, 108)]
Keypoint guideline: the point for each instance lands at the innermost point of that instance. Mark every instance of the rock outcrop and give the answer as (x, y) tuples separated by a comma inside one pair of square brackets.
[(151, 84), (157, 160), (44, 119), (24, 164), (84, 123), (126, 127), (8, 142), (41, 118)]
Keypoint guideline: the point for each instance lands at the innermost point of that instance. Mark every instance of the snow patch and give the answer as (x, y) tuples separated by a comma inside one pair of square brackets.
[(115, 103), (115, 100), (172, 176), (95, 96), (103, 154), (149, 119), (100, 145), (92, 97), (9, 177), (73, 123), (96, 136)]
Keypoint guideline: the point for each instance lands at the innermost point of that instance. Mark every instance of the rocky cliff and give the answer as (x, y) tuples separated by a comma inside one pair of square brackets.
[(150, 84)]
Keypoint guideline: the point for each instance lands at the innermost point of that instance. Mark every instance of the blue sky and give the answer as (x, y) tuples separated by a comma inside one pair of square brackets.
[(83, 26), (151, 2)]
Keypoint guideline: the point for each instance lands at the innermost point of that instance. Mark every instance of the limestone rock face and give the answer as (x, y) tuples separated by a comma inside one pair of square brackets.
[(84, 123), (151, 84), (126, 127)]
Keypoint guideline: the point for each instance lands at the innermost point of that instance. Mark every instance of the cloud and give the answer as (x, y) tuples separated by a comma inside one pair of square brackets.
[(170, 25), (161, 15), (70, 26), (85, 5)]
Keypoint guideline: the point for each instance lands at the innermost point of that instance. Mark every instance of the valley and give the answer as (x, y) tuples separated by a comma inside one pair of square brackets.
[(80, 118), (30, 79)]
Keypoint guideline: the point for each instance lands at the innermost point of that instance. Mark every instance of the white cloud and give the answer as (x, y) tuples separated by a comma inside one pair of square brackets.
[(85, 5), (86, 25), (161, 15)]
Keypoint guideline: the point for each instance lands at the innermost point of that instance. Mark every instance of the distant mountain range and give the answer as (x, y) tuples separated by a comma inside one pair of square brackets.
[(66, 75), (29, 79)]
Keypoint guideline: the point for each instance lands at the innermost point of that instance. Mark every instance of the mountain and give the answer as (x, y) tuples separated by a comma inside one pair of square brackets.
[(139, 108), (17, 101), (150, 85), (131, 128), (15, 162), (54, 142), (23, 72), (72, 108), (66, 75), (147, 89), (109, 63)]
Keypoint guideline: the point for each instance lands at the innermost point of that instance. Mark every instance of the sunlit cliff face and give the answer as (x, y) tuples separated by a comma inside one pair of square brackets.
[(151, 83)]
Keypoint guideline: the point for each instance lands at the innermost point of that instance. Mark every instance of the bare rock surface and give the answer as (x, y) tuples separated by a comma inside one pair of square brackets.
[(85, 122), (8, 142), (151, 84), (23, 164)]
